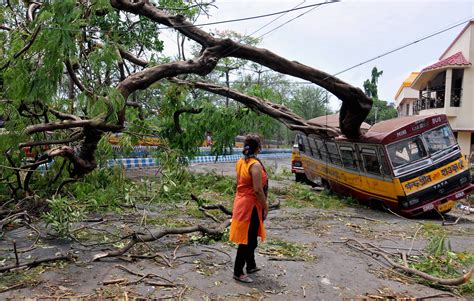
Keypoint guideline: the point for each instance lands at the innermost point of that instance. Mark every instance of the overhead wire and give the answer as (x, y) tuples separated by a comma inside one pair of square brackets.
[(403, 46), (209, 23), (298, 16)]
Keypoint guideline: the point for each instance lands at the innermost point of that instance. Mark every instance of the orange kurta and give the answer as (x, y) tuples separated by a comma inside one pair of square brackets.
[(244, 202)]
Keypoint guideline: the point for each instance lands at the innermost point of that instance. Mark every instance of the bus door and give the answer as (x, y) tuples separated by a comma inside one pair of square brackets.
[(377, 183)]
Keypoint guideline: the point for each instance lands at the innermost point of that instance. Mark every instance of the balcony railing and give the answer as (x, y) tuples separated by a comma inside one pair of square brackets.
[(434, 99)]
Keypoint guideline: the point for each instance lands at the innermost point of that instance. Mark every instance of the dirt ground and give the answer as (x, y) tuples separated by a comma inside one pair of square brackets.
[(182, 268)]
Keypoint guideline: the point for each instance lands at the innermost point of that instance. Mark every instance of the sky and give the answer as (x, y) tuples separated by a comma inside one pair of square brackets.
[(337, 36)]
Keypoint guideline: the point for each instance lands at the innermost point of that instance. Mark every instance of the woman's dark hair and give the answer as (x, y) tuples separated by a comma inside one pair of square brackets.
[(251, 143)]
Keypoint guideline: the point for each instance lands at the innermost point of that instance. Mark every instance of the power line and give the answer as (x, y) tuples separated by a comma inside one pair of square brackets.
[(299, 16), (402, 47), (313, 6), (209, 23), (268, 23), (258, 16)]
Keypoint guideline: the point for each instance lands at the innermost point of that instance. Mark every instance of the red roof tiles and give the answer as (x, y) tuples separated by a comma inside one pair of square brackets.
[(456, 59)]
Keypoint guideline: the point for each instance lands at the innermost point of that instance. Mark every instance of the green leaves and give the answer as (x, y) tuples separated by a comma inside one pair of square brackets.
[(62, 213)]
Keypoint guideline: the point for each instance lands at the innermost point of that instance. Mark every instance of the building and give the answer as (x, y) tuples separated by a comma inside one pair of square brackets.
[(406, 96), (445, 87)]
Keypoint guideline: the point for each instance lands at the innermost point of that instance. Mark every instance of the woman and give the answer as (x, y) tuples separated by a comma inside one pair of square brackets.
[(250, 208)]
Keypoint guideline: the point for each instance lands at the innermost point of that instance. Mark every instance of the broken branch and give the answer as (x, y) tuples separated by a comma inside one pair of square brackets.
[(436, 280)]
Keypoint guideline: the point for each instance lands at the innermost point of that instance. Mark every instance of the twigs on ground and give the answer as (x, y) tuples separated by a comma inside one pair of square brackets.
[(19, 285), (220, 251), (139, 238), (203, 207), (285, 258), (359, 217), (413, 239), (144, 276), (7, 220), (372, 250), (36, 262)]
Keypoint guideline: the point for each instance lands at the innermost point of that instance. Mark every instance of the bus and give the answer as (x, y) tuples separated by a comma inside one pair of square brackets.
[(411, 165)]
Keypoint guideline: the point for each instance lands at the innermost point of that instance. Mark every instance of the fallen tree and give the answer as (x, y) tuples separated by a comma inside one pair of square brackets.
[(71, 71)]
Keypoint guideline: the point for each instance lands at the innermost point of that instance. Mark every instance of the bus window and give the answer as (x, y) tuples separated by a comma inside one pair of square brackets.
[(383, 158), (305, 144), (299, 141), (322, 150), (371, 162), (333, 153), (439, 139), (406, 151), (348, 157), (314, 148)]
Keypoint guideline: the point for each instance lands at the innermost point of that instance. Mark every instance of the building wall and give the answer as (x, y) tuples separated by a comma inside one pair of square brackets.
[(463, 44), (464, 119), (464, 141)]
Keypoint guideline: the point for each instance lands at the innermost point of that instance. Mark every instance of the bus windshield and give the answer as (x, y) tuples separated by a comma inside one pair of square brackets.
[(406, 151), (439, 139)]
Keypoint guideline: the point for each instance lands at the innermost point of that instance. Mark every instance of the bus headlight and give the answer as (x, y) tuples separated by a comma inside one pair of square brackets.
[(413, 201)]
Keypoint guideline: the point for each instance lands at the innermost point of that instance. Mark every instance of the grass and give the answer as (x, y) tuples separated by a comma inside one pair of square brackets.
[(283, 248), (299, 195), (442, 262)]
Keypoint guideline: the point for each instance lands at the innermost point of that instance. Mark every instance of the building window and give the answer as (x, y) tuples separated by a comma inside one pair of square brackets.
[(456, 87)]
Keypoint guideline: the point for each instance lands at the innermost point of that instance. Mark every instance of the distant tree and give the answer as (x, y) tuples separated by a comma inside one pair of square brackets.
[(370, 86), (308, 102), (381, 110)]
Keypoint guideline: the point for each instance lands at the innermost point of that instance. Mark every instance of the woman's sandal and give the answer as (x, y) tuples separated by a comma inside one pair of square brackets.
[(243, 279), (254, 270)]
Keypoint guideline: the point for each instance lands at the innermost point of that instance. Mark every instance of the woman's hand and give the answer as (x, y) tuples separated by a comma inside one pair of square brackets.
[(264, 213)]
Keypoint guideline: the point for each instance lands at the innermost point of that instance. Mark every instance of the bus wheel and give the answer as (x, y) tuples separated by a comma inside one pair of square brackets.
[(326, 186), (378, 205), (300, 178)]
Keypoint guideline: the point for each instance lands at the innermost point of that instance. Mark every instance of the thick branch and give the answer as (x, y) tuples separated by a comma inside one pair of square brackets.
[(356, 105), (36, 262), (30, 14), (73, 138), (75, 79), (68, 124), (30, 42), (137, 238), (131, 58), (143, 79), (279, 112), (81, 165), (64, 116)]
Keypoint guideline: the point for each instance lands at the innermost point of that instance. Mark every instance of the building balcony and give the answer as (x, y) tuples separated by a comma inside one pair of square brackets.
[(435, 100)]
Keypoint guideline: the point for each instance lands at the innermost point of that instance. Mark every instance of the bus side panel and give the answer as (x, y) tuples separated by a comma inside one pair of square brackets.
[(381, 190), (308, 166)]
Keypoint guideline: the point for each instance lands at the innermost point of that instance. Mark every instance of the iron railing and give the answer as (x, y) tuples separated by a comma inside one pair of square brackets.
[(434, 99)]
